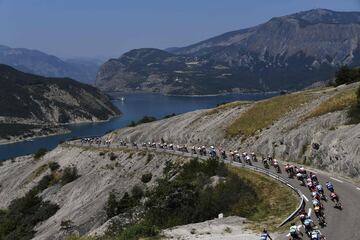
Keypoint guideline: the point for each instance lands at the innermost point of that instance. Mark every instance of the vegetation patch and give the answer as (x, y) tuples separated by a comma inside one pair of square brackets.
[(40, 153), (275, 201), (69, 174), (226, 106), (264, 113), (145, 178), (36, 173), (15, 129), (23, 214), (347, 75), (337, 102), (354, 112), (145, 119)]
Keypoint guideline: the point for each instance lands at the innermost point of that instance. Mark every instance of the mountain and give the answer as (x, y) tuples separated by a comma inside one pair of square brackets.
[(285, 53), (28, 98), (36, 62)]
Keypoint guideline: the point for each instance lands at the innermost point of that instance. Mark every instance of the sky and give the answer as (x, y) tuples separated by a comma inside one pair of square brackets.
[(108, 28)]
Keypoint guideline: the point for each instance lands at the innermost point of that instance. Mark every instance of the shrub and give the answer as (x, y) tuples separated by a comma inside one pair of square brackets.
[(187, 198), (145, 119), (146, 177), (39, 153), (149, 158), (346, 75), (138, 231), (23, 214), (114, 207), (112, 156), (137, 192), (69, 174), (111, 206), (169, 116), (54, 166)]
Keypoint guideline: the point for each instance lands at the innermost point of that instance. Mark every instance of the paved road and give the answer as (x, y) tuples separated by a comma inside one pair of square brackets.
[(341, 224)]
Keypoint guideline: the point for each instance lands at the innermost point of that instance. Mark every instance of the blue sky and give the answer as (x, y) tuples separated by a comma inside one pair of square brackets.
[(108, 28)]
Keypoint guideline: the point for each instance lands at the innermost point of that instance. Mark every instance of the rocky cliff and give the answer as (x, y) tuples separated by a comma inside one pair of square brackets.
[(289, 52)]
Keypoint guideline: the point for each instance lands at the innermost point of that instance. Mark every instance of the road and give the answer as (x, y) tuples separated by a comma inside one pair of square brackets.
[(341, 224)]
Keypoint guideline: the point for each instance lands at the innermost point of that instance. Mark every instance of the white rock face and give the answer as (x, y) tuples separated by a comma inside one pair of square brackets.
[(81, 201), (229, 228)]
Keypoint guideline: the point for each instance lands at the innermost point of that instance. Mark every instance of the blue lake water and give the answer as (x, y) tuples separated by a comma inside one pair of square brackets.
[(133, 108)]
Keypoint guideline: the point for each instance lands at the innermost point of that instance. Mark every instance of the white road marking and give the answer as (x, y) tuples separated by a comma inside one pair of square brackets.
[(336, 180), (358, 188), (305, 198), (309, 212)]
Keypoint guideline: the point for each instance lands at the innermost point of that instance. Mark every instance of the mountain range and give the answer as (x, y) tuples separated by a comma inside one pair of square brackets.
[(40, 63), (285, 53)]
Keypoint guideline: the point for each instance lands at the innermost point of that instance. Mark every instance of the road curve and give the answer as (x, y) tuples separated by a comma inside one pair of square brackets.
[(341, 224)]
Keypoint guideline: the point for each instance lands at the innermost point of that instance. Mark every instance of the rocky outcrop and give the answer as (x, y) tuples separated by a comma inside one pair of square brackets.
[(289, 52)]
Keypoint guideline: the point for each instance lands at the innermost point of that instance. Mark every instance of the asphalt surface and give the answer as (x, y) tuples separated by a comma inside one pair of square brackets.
[(341, 224)]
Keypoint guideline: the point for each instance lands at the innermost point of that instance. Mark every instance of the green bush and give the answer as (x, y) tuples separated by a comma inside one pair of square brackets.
[(112, 156), (69, 174), (54, 166), (23, 214), (138, 231), (189, 198), (39, 153), (354, 112), (169, 116), (145, 178), (114, 207), (145, 119), (137, 192), (346, 75)]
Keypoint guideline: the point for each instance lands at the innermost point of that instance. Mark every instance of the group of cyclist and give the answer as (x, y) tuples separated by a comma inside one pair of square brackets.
[(306, 179)]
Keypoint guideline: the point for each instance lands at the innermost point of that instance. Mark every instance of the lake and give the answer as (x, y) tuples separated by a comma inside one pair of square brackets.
[(133, 108)]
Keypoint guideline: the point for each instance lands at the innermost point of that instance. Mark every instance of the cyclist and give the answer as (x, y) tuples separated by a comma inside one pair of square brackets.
[(265, 235), (316, 235), (330, 186), (294, 231)]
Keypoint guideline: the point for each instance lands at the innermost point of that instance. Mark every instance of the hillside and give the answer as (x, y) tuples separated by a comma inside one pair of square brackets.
[(312, 127), (83, 201), (35, 101), (39, 63), (290, 52)]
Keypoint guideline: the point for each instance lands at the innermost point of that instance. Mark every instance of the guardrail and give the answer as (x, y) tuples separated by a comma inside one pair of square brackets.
[(254, 168)]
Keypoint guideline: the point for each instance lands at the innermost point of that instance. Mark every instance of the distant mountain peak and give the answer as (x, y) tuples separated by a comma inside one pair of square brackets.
[(288, 52), (40, 63)]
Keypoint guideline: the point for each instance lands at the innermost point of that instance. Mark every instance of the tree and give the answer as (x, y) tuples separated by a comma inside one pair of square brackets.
[(346, 75), (111, 206), (69, 175), (343, 75)]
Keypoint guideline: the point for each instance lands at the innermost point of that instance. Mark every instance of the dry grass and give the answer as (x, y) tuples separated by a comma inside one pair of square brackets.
[(277, 201), (337, 102), (226, 106), (36, 173), (264, 113)]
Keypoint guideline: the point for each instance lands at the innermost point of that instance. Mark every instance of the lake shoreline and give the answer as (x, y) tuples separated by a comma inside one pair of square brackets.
[(59, 131)]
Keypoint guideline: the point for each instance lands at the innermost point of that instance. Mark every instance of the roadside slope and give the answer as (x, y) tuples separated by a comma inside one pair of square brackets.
[(325, 140)]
